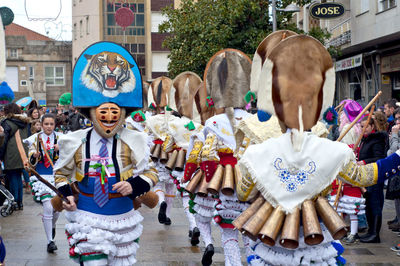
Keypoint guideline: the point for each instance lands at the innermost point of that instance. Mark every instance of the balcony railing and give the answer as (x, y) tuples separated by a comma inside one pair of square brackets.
[(341, 39)]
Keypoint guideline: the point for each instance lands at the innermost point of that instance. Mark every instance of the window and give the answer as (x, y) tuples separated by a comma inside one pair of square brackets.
[(81, 28), (54, 75), (31, 72), (13, 53), (138, 53), (385, 4), (87, 25), (75, 32), (156, 19), (136, 28), (24, 82), (364, 6)]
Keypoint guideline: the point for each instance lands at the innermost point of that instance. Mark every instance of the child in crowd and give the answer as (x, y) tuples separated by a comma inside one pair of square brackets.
[(43, 152)]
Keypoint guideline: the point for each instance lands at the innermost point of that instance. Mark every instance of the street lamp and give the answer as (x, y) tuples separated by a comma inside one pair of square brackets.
[(289, 8)]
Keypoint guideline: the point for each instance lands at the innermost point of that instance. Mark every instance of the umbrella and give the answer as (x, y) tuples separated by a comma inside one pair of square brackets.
[(24, 101)]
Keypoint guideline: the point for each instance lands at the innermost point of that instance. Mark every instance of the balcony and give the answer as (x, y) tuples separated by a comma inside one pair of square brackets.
[(341, 39)]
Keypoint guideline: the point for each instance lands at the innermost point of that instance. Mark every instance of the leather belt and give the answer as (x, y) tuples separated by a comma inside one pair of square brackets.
[(110, 195)]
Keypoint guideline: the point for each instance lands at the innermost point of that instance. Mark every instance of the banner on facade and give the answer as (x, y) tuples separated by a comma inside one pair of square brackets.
[(390, 63), (348, 63)]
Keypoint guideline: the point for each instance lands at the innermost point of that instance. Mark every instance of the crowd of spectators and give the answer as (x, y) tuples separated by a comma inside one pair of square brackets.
[(27, 121)]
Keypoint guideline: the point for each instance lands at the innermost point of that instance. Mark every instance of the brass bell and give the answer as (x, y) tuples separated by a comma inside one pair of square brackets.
[(257, 221), (172, 159), (156, 153), (290, 231), (272, 227), (216, 180), (311, 227), (332, 220), (228, 184), (194, 182), (247, 214), (180, 162)]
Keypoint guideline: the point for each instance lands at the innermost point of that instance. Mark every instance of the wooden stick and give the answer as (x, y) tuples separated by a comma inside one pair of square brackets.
[(336, 203)]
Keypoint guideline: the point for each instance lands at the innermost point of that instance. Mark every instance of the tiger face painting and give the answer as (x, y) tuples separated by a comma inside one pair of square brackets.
[(108, 73)]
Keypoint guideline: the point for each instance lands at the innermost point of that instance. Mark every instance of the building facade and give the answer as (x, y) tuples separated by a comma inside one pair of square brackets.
[(36, 65), (94, 21)]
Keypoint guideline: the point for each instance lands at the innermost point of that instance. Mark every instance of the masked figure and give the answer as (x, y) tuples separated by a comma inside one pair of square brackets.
[(294, 79), (110, 164), (226, 78)]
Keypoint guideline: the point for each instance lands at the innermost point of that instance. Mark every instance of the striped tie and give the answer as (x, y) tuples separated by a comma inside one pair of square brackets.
[(100, 196)]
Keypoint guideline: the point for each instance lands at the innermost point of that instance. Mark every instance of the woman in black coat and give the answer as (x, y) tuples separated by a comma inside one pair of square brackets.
[(9, 152), (373, 147)]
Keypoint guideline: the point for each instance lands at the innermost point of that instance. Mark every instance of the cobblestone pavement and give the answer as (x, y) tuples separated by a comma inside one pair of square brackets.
[(25, 241)]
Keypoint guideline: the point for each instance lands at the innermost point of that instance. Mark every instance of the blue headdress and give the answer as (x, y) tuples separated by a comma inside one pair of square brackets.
[(106, 73)]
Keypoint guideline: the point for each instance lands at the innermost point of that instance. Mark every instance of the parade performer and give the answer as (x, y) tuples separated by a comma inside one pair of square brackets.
[(183, 98), (295, 81), (157, 126), (110, 164), (43, 154), (351, 201), (226, 78)]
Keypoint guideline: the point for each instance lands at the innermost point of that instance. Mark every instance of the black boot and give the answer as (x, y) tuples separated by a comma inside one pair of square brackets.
[(195, 237), (374, 237), (51, 247), (207, 256), (370, 222), (53, 233), (162, 216)]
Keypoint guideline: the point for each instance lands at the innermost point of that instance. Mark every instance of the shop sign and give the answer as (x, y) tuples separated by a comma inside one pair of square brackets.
[(348, 63), (326, 10), (386, 79), (390, 63)]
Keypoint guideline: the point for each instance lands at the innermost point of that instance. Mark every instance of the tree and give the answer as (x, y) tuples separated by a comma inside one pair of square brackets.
[(201, 28)]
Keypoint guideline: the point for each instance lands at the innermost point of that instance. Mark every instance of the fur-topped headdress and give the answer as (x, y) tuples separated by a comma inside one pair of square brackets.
[(185, 89), (207, 109), (158, 93), (296, 82), (145, 87), (227, 80), (263, 50)]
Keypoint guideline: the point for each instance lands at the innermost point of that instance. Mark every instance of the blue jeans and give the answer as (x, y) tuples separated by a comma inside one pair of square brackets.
[(14, 177), (25, 175), (374, 201)]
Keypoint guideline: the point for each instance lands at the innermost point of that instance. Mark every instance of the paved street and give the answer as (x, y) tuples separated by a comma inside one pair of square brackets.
[(159, 245)]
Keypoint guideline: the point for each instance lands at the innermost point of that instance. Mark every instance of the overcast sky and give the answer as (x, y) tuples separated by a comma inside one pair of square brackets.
[(59, 29)]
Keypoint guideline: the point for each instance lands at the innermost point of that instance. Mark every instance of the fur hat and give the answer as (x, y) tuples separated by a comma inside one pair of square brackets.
[(145, 91), (206, 110), (184, 89), (263, 50), (227, 80), (296, 82), (158, 92)]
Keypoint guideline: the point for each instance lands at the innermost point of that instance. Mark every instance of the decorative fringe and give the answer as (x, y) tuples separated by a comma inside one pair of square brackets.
[(269, 197)]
